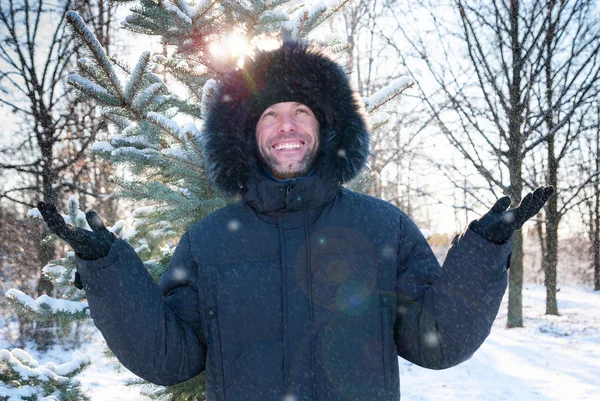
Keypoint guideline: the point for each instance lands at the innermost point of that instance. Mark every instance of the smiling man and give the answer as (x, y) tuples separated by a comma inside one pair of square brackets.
[(287, 135), (302, 290)]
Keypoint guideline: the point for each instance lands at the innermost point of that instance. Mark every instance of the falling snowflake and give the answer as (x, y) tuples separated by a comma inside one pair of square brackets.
[(508, 217), (431, 339), (233, 225), (179, 274)]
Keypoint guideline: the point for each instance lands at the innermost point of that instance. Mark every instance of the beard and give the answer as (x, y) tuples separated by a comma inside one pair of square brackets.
[(290, 168)]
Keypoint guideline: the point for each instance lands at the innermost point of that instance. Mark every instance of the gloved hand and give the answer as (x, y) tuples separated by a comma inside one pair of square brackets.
[(498, 224), (88, 245)]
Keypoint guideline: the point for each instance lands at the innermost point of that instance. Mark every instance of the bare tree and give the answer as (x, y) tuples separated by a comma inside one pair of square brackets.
[(568, 94), (587, 163), (18, 262), (396, 137), (54, 125), (487, 62)]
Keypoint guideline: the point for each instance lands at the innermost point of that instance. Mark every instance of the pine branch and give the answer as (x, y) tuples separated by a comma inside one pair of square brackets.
[(135, 79), (92, 44)]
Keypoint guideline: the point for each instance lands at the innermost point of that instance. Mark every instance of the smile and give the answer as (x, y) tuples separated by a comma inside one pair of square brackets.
[(288, 145)]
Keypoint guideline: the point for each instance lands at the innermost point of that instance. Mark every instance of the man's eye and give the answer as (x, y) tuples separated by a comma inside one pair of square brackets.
[(269, 113), (302, 111)]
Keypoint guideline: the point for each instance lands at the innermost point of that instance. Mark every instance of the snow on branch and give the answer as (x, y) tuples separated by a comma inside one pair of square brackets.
[(191, 130), (176, 153), (388, 93), (102, 147), (82, 31), (273, 18), (146, 96), (195, 11), (166, 124), (131, 140), (178, 14), (76, 216), (135, 79), (144, 211), (93, 89), (44, 303), (308, 18), (117, 119), (200, 8), (47, 382)]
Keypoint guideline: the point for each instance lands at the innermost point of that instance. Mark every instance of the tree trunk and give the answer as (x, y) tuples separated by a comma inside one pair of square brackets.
[(542, 239), (515, 273), (515, 284), (552, 223), (515, 142), (551, 262), (43, 335)]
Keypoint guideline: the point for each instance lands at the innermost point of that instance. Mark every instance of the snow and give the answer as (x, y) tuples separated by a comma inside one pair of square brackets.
[(553, 358), (101, 147), (177, 12), (83, 82), (54, 270), (128, 151), (34, 213), (16, 394), (55, 305), (142, 211), (166, 123), (191, 129), (278, 15), (388, 91), (133, 139), (176, 153), (233, 225), (117, 227), (199, 8), (101, 381)]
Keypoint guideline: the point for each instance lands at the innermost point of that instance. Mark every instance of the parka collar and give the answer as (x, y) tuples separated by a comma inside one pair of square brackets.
[(270, 197)]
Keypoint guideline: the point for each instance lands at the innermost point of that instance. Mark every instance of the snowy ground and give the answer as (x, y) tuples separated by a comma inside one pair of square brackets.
[(551, 358)]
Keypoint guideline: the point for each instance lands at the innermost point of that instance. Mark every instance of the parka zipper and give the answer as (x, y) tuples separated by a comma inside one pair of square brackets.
[(288, 190), (386, 312)]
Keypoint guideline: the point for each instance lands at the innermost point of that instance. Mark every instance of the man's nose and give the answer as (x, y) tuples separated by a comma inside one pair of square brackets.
[(287, 124)]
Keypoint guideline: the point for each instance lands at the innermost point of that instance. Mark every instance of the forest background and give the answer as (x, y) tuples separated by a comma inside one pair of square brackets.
[(469, 101)]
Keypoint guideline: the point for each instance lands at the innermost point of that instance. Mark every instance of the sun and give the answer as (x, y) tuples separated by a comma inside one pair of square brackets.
[(236, 46)]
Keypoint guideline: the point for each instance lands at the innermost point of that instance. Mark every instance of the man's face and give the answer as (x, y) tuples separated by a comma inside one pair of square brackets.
[(287, 135)]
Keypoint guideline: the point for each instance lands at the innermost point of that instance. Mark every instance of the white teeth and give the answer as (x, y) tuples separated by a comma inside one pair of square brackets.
[(288, 146)]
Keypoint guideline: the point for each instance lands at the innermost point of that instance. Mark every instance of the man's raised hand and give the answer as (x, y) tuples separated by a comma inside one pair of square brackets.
[(88, 245), (498, 224)]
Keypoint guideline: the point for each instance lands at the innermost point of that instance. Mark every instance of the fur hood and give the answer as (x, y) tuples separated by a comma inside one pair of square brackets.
[(294, 72)]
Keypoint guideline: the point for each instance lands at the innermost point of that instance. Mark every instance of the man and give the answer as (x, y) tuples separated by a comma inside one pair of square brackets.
[(303, 289)]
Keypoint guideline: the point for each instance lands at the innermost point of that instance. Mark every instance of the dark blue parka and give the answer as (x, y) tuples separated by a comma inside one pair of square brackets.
[(303, 289)]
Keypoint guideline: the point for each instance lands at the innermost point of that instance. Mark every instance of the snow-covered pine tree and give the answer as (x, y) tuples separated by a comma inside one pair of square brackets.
[(22, 379), (20, 376), (156, 127)]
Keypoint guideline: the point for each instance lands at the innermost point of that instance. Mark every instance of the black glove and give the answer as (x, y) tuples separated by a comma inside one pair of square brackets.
[(498, 224), (88, 245)]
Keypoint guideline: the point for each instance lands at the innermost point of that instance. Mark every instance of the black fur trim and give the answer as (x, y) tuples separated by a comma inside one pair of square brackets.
[(294, 72)]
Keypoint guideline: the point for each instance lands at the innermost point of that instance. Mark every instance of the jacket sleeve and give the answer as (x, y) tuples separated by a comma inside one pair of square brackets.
[(154, 330), (445, 313)]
